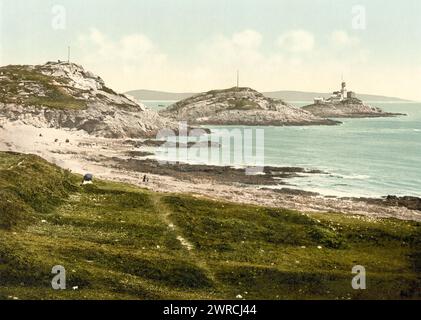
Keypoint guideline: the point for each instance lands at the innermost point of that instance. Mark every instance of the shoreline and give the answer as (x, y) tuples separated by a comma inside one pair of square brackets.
[(109, 159)]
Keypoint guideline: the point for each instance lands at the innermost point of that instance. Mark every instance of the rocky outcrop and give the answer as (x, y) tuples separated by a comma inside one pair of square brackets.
[(64, 95), (240, 106), (348, 108), (411, 203), (97, 119)]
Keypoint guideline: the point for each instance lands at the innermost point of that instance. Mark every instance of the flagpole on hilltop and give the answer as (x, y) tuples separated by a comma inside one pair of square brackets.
[(238, 78)]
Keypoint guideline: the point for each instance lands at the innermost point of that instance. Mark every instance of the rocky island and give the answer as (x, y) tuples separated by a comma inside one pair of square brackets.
[(345, 104), (64, 95), (240, 106)]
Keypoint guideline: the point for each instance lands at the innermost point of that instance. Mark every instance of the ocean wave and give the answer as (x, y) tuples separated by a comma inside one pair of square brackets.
[(353, 177)]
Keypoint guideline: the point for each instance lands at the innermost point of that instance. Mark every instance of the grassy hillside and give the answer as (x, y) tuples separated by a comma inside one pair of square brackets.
[(117, 241), (20, 84)]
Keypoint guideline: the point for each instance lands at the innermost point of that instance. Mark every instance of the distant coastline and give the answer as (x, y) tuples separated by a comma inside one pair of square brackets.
[(290, 96)]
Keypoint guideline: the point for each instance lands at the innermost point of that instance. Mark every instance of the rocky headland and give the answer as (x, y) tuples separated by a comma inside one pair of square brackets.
[(347, 108), (240, 106), (64, 95)]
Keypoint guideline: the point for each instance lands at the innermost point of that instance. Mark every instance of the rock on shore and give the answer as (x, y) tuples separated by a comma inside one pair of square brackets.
[(240, 106)]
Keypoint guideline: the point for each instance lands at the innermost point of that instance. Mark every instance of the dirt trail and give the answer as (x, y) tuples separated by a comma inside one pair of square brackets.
[(164, 213)]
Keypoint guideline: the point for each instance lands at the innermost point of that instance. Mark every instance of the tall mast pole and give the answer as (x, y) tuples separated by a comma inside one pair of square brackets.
[(238, 78)]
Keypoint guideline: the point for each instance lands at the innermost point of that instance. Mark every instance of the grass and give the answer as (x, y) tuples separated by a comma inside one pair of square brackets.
[(55, 95), (242, 104), (118, 241)]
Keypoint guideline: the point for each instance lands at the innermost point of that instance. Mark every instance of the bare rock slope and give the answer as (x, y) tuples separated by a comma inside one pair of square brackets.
[(64, 95), (348, 108), (240, 106)]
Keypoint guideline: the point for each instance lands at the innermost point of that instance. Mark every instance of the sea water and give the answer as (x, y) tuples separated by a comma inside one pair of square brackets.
[(362, 157)]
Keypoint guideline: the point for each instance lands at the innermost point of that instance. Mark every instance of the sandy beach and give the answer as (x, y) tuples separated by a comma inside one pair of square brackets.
[(114, 159)]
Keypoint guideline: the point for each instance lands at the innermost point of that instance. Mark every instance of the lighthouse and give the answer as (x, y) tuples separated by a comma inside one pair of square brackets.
[(344, 91)]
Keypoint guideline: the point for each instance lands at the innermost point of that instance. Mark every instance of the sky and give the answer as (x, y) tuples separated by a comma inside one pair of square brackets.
[(198, 45)]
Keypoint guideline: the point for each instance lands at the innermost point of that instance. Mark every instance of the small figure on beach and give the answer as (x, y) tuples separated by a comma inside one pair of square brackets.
[(145, 179), (87, 179)]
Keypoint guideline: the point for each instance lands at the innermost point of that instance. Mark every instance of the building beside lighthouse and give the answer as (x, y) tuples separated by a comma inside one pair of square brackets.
[(337, 96)]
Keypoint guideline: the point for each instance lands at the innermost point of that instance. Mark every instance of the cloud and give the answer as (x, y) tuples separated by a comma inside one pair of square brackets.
[(247, 39), (341, 38), (296, 41), (129, 61), (136, 61), (127, 49), (233, 51)]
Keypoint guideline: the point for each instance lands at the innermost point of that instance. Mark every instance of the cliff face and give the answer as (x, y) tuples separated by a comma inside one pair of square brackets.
[(64, 95), (240, 106), (349, 108)]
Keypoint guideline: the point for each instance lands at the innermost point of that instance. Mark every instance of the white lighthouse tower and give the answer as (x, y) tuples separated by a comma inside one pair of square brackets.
[(344, 91)]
